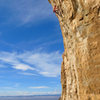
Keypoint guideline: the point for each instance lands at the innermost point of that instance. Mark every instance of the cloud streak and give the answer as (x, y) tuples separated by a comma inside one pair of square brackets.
[(39, 87), (28, 74), (27, 11), (46, 64), (13, 61)]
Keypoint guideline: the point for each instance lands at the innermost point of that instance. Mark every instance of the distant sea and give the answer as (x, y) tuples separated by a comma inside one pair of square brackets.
[(29, 97)]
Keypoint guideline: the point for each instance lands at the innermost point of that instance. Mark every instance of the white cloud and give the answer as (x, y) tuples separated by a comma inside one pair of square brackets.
[(46, 64), (23, 67), (7, 88), (39, 87), (29, 74), (12, 60)]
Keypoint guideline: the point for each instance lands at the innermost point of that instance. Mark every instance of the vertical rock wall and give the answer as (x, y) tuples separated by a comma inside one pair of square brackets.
[(80, 25)]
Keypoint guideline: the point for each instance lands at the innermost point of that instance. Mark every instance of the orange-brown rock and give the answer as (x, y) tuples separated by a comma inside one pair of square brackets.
[(80, 25)]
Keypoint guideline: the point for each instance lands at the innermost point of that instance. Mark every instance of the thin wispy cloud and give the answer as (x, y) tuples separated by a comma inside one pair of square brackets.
[(7, 88), (10, 58), (11, 87), (23, 67), (28, 74), (27, 11), (39, 87), (46, 64)]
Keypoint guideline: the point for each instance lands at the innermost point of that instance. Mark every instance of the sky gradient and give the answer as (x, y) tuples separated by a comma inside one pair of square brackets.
[(31, 46)]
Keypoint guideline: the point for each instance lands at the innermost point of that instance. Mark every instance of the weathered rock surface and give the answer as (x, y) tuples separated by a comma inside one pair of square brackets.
[(80, 25)]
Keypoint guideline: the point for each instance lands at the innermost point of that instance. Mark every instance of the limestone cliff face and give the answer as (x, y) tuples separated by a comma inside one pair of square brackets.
[(80, 25)]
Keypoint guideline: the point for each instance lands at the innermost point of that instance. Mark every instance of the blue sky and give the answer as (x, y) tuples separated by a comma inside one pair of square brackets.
[(31, 46)]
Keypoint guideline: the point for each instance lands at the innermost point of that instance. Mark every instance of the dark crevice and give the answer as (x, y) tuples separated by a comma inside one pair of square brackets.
[(75, 8), (87, 14), (98, 10), (89, 98), (81, 19)]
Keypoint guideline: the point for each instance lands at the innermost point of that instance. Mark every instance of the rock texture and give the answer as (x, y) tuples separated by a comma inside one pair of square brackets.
[(80, 25)]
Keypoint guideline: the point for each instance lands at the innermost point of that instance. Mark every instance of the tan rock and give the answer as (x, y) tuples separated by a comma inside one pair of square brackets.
[(80, 25)]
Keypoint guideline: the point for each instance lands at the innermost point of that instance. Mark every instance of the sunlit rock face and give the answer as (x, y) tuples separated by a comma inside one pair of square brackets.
[(80, 25)]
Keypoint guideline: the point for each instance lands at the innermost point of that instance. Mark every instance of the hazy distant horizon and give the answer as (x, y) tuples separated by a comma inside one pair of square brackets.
[(29, 97)]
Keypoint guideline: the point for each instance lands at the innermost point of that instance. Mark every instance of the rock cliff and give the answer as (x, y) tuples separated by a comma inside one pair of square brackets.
[(80, 25)]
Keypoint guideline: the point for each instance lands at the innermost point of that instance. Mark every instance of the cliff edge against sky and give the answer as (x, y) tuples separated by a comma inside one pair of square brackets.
[(80, 25)]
